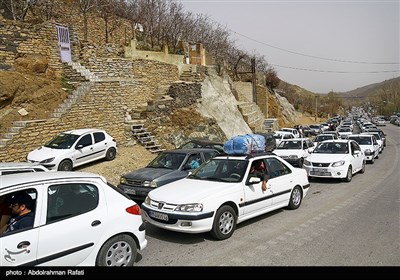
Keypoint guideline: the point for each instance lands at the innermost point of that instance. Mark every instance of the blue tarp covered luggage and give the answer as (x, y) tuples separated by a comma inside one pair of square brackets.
[(245, 144)]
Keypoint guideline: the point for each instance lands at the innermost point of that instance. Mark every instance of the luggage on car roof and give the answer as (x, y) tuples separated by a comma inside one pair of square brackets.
[(245, 144)]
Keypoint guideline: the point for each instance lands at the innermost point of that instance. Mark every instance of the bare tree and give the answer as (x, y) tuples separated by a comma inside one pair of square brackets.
[(18, 8), (45, 8), (86, 6)]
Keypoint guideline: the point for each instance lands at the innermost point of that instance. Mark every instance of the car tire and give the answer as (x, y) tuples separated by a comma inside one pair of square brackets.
[(120, 250), (349, 175), (224, 223), (372, 160), (301, 161), (111, 153), (65, 165), (362, 171), (295, 198)]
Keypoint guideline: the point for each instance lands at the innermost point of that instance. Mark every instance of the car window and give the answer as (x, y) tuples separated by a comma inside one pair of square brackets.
[(99, 136), (8, 172), (85, 141), (209, 155), (224, 170), (194, 161), (62, 141), (276, 168), (68, 200), (10, 201), (167, 160)]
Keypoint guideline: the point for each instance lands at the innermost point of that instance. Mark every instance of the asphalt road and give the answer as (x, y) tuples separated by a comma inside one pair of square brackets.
[(338, 224)]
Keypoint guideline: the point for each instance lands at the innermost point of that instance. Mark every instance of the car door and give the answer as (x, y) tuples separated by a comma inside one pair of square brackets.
[(74, 219), (20, 247), (84, 150), (255, 198), (357, 155), (100, 145), (280, 180), (375, 145)]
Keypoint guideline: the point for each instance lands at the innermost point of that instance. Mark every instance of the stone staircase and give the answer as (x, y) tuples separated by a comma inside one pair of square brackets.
[(145, 138), (252, 115), (72, 99), (90, 76), (193, 73), (14, 130)]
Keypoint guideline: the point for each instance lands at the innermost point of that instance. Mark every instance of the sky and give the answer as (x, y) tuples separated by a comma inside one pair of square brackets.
[(321, 46)]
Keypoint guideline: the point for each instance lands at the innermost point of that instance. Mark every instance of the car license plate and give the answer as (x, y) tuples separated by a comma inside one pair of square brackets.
[(320, 169), (157, 215), (130, 191)]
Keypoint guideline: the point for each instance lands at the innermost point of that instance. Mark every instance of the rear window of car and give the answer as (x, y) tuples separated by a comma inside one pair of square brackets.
[(98, 137)]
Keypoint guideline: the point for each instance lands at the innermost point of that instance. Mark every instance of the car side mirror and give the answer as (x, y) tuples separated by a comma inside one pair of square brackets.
[(79, 147), (254, 180), (356, 152)]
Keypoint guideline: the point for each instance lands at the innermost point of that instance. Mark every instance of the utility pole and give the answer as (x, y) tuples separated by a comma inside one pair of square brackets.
[(316, 107), (254, 80)]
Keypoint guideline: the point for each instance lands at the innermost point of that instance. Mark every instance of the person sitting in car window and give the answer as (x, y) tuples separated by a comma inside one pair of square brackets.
[(257, 169), (21, 207)]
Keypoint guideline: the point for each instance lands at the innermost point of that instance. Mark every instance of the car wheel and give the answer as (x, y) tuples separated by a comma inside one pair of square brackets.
[(301, 161), (65, 165), (377, 156), (111, 153), (362, 168), (224, 223), (373, 159), (349, 175), (119, 250), (295, 198)]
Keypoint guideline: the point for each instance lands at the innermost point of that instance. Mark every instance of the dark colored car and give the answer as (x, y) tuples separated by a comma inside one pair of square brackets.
[(167, 167), (270, 142), (203, 143)]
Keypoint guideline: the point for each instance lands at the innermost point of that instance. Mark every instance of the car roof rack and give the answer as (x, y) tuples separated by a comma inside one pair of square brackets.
[(256, 154)]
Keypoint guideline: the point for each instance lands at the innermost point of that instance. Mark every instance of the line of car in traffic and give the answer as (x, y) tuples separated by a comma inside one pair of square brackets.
[(193, 190)]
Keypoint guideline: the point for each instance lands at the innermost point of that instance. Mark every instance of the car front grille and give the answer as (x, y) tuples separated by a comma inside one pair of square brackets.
[(134, 183), (320, 164)]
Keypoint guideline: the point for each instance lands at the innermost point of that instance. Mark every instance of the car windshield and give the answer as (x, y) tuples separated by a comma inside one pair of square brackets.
[(332, 148), (345, 129), (222, 170), (62, 141), (323, 138), (167, 160), (362, 140), (289, 145)]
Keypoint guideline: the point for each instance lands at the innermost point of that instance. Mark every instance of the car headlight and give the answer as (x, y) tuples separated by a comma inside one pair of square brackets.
[(338, 163), (147, 200), (368, 152), (122, 180), (306, 162), (47, 160), (192, 207), (293, 157)]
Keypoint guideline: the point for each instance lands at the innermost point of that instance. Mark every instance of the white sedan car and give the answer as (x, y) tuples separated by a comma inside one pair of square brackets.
[(294, 151), (335, 159), (368, 144), (74, 148), (78, 219), (223, 192)]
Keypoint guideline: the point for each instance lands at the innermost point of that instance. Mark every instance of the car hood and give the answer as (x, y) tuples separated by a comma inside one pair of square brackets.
[(150, 173), (43, 153), (189, 191), (326, 157)]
